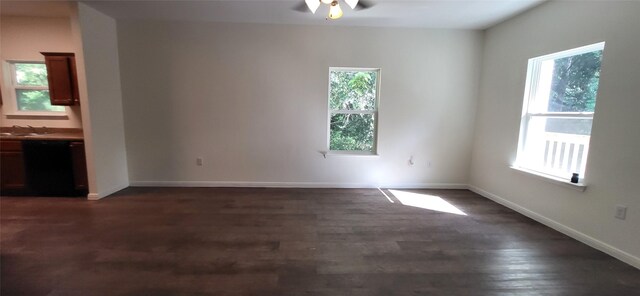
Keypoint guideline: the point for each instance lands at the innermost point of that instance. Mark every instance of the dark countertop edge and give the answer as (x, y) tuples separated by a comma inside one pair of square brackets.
[(44, 133), (47, 137)]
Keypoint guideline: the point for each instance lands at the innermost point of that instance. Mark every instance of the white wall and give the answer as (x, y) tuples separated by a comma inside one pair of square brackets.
[(22, 39), (252, 101), (614, 163), (103, 124)]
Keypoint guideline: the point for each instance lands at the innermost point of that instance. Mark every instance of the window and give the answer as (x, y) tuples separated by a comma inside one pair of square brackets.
[(30, 87), (353, 109), (559, 104)]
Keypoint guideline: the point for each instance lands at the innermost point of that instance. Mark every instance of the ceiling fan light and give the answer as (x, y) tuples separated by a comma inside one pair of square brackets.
[(326, 1), (352, 3), (313, 5), (335, 12)]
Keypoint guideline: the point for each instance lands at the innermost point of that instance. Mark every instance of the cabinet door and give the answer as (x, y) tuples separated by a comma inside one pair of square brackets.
[(12, 171), (79, 166), (63, 81)]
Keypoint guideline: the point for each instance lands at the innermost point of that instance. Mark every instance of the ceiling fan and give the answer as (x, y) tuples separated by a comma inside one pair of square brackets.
[(335, 12)]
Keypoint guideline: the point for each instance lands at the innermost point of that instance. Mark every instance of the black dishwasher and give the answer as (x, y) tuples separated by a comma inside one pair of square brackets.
[(49, 168)]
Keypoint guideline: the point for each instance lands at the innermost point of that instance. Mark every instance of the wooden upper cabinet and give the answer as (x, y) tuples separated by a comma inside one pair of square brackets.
[(63, 79)]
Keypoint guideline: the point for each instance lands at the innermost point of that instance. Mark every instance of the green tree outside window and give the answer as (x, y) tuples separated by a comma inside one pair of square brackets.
[(32, 88), (353, 105)]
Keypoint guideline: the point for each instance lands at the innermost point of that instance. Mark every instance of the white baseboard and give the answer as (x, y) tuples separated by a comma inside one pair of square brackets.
[(295, 184), (105, 193), (93, 196), (575, 234)]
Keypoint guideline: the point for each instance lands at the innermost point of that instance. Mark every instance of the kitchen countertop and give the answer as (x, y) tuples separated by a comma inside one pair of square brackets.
[(42, 134)]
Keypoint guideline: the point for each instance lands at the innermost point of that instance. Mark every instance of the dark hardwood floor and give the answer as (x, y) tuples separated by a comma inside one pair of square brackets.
[(252, 241)]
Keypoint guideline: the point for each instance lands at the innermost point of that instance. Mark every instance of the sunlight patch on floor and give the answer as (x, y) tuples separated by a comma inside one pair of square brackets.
[(425, 201), (385, 195)]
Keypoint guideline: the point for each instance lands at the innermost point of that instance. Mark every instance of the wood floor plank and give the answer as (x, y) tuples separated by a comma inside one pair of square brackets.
[(258, 241)]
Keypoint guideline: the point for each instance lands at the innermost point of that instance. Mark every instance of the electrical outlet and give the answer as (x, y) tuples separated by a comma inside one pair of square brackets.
[(621, 212), (199, 161)]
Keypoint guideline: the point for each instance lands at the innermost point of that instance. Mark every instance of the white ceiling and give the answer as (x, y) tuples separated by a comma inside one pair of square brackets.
[(459, 14)]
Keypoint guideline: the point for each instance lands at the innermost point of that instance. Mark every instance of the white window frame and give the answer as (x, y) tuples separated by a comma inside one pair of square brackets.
[(12, 88), (531, 87), (374, 151)]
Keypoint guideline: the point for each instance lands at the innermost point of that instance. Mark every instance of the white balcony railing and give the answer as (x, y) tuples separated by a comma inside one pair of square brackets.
[(565, 153)]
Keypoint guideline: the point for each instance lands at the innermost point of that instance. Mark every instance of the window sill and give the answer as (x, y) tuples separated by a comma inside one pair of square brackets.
[(62, 116), (580, 186), (349, 153)]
